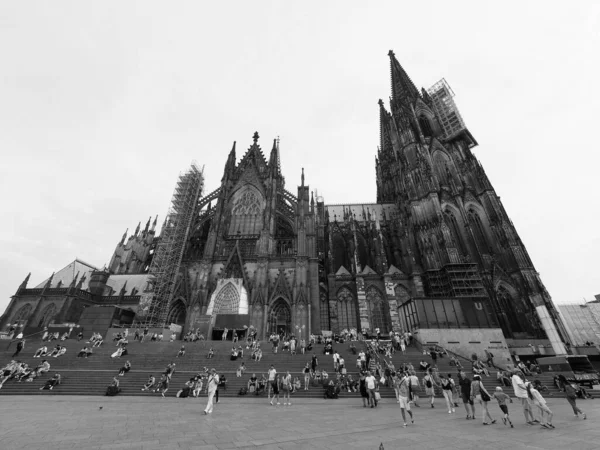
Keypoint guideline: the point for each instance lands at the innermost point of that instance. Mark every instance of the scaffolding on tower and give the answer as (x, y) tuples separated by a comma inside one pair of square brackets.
[(156, 300), (443, 103)]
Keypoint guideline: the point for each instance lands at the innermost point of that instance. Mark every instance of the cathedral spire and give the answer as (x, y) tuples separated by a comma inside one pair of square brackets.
[(274, 157), (124, 236), (154, 224), (147, 225), (137, 230), (403, 89), (24, 283), (302, 177), (384, 129)]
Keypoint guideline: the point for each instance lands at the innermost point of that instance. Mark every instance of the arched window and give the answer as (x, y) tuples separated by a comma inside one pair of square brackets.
[(23, 313), (47, 315), (425, 126), (177, 313), (478, 231), (455, 231), (339, 252), (227, 301), (324, 308), (346, 310), (378, 310)]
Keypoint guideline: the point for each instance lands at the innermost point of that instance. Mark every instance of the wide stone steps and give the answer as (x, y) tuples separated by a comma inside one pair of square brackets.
[(91, 376)]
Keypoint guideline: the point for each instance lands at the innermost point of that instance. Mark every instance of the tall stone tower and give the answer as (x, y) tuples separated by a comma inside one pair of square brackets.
[(453, 233)]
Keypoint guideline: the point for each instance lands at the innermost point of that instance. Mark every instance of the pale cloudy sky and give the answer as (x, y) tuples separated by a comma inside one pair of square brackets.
[(102, 104)]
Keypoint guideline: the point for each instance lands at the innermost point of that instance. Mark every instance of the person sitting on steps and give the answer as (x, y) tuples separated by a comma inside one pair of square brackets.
[(52, 382)]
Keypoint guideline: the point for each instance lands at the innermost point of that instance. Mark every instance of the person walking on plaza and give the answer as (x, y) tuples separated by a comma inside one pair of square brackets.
[(306, 372), (211, 388), (539, 401), (429, 384), (414, 388), (402, 385), (501, 397), (272, 374), (479, 393), (465, 393), (518, 383), (286, 387), (371, 384), (571, 395), (447, 391), (275, 386)]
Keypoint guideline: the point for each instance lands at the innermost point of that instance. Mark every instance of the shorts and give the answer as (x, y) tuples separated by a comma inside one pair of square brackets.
[(466, 398), (504, 409), (404, 403), (525, 403)]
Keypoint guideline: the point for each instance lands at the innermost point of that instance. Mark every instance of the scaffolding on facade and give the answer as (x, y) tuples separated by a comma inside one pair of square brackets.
[(448, 115), (455, 280), (166, 262)]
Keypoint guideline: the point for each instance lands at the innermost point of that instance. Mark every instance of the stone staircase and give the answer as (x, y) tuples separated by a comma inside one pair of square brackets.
[(91, 376)]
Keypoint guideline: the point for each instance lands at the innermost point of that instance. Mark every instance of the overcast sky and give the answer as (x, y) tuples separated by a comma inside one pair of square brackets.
[(102, 104)]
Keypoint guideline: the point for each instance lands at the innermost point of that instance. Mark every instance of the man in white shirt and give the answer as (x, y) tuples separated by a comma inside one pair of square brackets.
[(272, 372), (371, 383), (520, 389), (211, 387), (336, 361)]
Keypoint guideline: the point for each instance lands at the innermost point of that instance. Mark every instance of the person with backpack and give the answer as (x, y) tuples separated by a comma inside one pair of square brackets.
[(479, 393), (429, 384), (571, 395), (447, 391)]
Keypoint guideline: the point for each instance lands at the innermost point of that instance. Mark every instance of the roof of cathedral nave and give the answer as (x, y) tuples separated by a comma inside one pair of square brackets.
[(67, 274)]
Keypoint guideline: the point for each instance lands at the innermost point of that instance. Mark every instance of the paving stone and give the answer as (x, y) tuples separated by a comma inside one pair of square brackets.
[(51, 422)]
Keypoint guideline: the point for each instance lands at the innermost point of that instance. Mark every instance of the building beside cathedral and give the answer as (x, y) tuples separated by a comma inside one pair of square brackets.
[(436, 252)]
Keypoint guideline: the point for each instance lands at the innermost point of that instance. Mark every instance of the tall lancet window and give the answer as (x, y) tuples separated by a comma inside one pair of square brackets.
[(478, 231), (455, 231)]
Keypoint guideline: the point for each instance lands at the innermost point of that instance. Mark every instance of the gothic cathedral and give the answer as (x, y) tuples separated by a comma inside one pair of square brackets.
[(436, 250)]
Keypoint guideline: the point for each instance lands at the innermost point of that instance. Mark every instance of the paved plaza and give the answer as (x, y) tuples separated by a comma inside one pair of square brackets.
[(64, 422)]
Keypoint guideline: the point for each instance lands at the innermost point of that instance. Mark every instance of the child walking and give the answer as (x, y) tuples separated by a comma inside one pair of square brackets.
[(537, 399), (501, 397)]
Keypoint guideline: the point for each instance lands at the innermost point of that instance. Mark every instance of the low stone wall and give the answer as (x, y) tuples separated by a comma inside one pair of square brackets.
[(466, 341)]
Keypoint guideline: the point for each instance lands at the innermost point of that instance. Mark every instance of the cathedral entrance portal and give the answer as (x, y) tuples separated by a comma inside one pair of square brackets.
[(280, 318), (177, 313)]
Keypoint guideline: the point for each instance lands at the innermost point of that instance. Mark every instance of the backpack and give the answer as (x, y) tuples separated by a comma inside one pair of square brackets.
[(570, 391), (428, 383), (243, 391)]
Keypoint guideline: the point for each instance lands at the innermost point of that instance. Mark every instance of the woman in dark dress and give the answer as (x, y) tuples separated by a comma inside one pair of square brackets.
[(363, 389)]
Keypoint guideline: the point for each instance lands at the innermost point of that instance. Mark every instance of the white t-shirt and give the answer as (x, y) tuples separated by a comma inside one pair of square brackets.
[(370, 381), (336, 357), (272, 373), (520, 392), (213, 382)]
